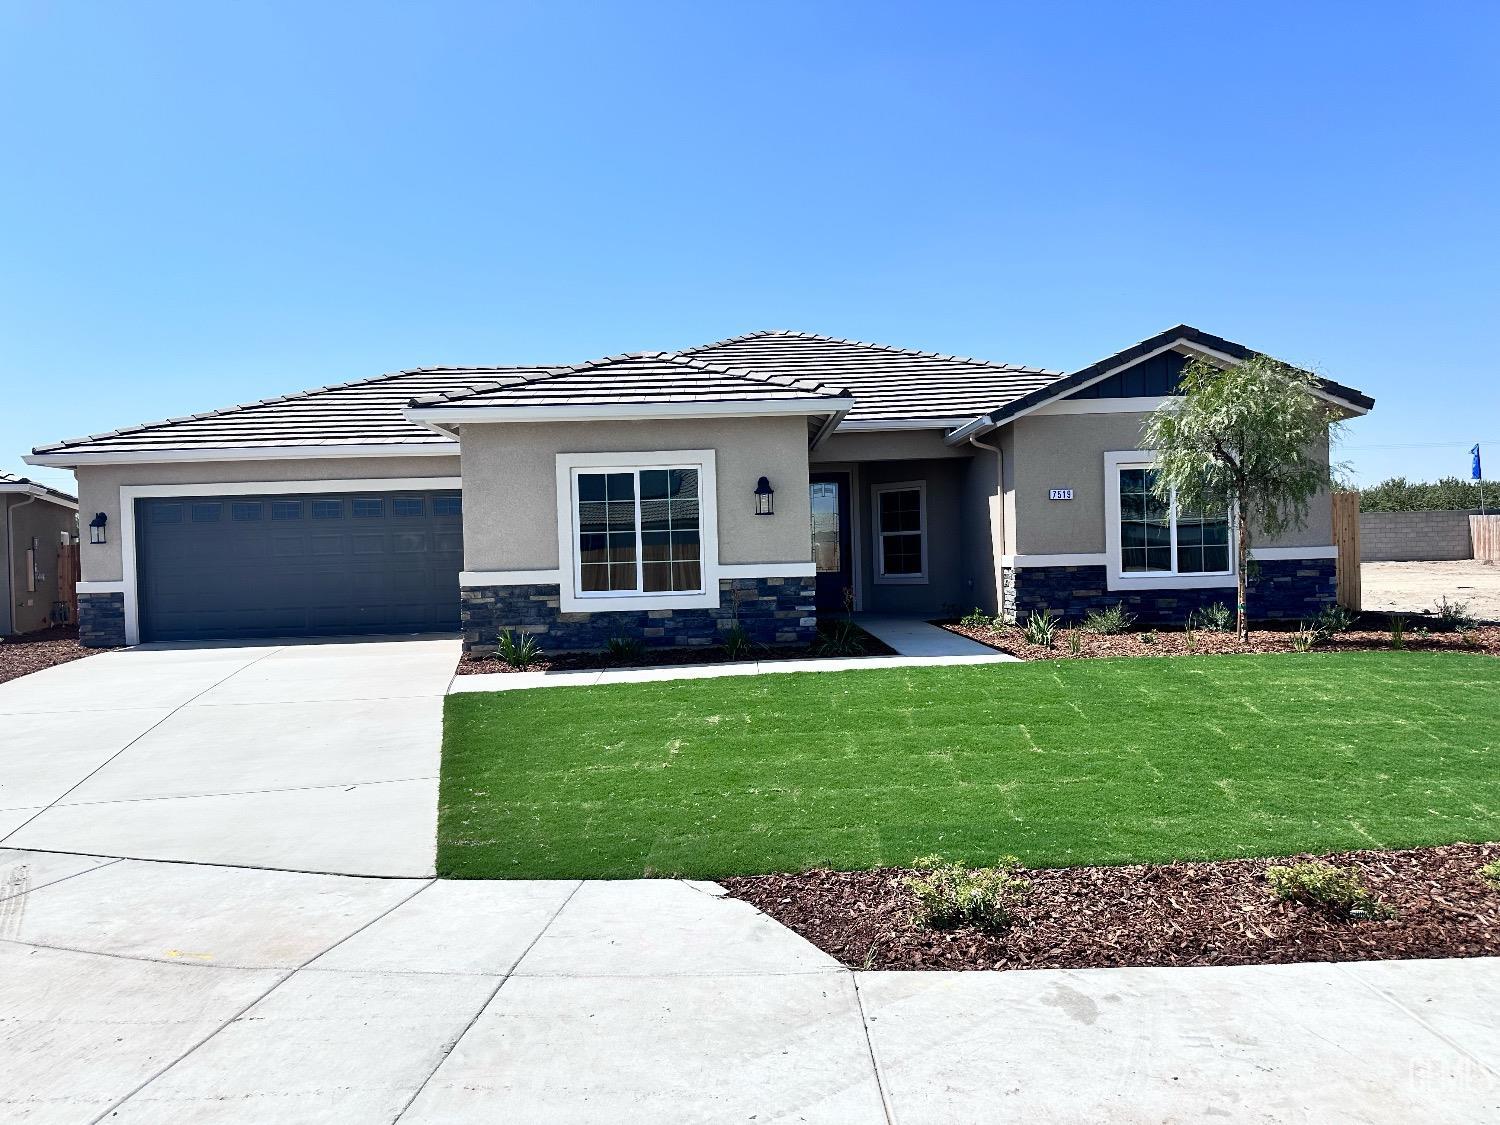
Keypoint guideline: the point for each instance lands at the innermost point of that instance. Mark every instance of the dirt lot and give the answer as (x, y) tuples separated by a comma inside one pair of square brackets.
[(1415, 587)]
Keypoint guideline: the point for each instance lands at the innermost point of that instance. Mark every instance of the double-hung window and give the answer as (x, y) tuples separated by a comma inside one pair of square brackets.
[(636, 535), (1154, 540), (901, 532)]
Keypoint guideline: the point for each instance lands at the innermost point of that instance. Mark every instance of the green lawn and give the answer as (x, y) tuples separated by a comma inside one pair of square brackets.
[(1081, 761)]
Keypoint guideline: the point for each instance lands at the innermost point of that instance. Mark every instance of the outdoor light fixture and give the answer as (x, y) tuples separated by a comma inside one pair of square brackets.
[(96, 528), (765, 498)]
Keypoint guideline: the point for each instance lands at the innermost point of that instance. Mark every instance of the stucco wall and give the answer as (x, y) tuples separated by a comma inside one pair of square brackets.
[(889, 445), (945, 587), (982, 532), (1415, 536), (99, 488), (44, 522), (1067, 451), (510, 484)]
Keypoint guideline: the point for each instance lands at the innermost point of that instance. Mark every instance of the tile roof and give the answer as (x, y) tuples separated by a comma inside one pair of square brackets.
[(639, 377), (365, 412), (886, 382), (10, 482)]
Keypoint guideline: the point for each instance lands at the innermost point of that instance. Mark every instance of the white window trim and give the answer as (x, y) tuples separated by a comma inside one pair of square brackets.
[(1114, 461), (570, 597), (881, 577), (130, 493)]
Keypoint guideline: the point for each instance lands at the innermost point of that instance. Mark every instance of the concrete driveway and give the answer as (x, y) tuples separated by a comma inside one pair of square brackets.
[(303, 756)]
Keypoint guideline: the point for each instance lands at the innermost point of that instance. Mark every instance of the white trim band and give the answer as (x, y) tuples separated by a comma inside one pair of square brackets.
[(1101, 558), (100, 587), (470, 579)]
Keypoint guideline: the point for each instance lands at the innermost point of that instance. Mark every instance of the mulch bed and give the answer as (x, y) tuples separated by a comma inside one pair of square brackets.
[(654, 657), (1368, 637), (31, 652), (1215, 913)]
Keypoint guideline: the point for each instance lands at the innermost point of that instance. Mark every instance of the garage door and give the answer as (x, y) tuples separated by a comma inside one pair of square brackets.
[(307, 565)]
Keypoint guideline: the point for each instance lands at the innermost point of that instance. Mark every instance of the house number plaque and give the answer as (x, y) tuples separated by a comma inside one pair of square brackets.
[(1060, 494)]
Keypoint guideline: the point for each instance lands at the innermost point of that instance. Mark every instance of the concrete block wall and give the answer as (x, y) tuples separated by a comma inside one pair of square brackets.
[(1414, 536)]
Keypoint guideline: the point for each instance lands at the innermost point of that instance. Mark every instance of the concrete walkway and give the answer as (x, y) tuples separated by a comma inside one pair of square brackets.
[(911, 636), (166, 993), (313, 756)]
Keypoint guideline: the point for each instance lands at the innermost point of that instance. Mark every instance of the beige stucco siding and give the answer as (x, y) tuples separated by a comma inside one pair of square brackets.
[(1067, 451), (510, 484), (99, 488), (889, 445)]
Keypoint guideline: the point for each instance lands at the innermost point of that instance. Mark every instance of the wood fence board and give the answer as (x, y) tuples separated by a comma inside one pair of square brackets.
[(1346, 539)]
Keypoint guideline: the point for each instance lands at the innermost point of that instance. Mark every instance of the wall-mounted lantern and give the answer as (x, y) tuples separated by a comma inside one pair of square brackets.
[(765, 498), (96, 528)]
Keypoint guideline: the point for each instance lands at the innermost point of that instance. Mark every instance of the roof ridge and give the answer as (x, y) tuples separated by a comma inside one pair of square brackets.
[(817, 387), (790, 334)]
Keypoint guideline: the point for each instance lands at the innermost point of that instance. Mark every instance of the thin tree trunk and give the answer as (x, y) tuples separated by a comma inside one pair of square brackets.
[(1242, 537)]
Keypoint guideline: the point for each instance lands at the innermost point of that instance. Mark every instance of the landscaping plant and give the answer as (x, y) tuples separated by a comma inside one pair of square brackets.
[(1108, 622), (1454, 616), (737, 642), (626, 650), (1216, 617), (1075, 643), (951, 895), (1041, 627), (1243, 439), (1338, 890), (519, 650), (1398, 632), (1490, 873), (976, 620)]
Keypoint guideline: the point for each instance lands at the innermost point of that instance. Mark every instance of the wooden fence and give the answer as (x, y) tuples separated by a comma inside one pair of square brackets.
[(1346, 539), (1485, 532), (67, 579)]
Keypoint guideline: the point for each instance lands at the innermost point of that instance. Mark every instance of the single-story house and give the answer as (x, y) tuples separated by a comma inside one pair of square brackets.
[(35, 520), (761, 479)]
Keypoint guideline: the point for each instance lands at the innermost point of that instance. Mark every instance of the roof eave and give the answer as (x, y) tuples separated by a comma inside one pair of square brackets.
[(40, 491), (83, 457), (453, 415)]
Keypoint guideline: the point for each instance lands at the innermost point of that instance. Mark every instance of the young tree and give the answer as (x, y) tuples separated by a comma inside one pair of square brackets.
[(1244, 439)]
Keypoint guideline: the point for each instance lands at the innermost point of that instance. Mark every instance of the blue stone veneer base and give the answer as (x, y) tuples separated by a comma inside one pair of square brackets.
[(774, 611), (101, 620), (1279, 590)]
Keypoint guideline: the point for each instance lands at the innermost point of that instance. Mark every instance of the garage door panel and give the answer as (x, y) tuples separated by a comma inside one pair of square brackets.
[(274, 565)]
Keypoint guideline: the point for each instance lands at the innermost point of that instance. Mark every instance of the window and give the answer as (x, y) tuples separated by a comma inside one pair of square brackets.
[(244, 511), (206, 512), (901, 532), (447, 505), (407, 506), (368, 508), (638, 531), (1154, 541), (327, 509), (286, 509)]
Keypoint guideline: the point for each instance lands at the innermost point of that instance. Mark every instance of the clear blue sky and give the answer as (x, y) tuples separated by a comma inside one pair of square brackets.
[(209, 203)]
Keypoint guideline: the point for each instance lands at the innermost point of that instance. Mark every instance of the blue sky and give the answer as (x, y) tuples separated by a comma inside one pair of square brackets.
[(210, 203)]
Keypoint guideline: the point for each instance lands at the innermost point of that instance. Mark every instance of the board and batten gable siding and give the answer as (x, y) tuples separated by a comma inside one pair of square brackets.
[(99, 488), (1048, 451), (510, 484)]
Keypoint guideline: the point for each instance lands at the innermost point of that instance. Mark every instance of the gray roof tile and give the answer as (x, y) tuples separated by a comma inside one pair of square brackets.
[(10, 482)]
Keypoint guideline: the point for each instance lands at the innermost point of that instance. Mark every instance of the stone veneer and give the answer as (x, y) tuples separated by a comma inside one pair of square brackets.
[(1279, 590), (774, 611), (101, 620)]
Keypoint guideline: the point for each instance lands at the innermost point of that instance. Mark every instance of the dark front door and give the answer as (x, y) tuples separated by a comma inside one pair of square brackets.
[(287, 565), (830, 539)]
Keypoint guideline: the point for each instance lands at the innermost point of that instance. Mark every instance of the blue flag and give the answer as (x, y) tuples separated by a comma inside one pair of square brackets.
[(1475, 472)]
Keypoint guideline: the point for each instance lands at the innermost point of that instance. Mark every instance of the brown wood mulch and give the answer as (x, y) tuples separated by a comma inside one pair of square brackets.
[(1176, 642), (654, 657), (31, 652), (1209, 913)]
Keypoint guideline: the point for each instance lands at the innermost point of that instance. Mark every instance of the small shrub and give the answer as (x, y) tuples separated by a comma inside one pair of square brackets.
[(1148, 637), (519, 650), (841, 637), (1190, 639), (976, 620), (626, 650), (1075, 643), (1333, 620), (1468, 638), (737, 643), (1453, 616), (950, 894), (1398, 632), (1216, 617), (1338, 890), (1490, 873), (1109, 622), (1041, 628), (1307, 637)]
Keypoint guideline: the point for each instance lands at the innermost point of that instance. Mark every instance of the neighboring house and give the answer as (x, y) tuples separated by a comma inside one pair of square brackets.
[(33, 520), (624, 497)]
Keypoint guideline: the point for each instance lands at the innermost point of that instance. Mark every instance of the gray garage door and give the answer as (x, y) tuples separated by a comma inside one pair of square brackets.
[(305, 565)]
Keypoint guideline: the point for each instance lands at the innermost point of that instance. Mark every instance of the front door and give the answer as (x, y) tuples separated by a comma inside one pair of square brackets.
[(830, 539)]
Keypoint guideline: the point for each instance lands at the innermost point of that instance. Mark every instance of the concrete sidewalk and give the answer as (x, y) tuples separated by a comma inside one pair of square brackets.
[(163, 993)]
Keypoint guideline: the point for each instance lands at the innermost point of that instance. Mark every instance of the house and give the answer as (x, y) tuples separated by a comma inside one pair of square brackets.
[(34, 520), (760, 479)]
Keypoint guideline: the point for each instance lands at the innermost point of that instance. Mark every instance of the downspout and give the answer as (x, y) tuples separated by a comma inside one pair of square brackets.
[(999, 494), (10, 562)]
